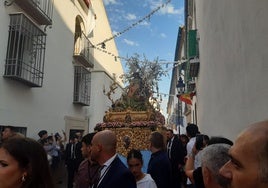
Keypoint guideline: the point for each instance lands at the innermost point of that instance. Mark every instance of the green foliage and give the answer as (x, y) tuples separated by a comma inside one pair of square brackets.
[(147, 73), (142, 83)]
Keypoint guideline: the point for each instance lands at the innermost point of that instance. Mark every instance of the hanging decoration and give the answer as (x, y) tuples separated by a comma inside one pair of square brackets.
[(102, 45), (147, 17)]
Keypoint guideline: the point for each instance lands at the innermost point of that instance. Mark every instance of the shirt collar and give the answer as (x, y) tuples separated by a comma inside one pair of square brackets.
[(107, 165), (109, 161)]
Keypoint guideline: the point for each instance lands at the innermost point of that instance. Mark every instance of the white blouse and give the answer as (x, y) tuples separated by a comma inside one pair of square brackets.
[(146, 182)]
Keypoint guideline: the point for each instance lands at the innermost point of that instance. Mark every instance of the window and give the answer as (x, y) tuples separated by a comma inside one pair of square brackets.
[(21, 130), (82, 85), (85, 4), (25, 51)]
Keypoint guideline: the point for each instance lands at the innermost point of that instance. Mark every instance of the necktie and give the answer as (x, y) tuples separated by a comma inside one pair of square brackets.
[(99, 177), (73, 151), (169, 149)]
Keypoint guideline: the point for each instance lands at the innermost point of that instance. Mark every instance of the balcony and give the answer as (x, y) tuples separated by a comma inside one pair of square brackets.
[(191, 86), (82, 86), (194, 67), (40, 10), (25, 51), (83, 50)]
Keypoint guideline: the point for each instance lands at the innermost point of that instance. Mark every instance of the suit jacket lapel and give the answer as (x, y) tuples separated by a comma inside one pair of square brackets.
[(109, 173)]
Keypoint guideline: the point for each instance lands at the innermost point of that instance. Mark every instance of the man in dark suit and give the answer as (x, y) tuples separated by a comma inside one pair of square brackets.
[(159, 166), (113, 172), (73, 158), (176, 156)]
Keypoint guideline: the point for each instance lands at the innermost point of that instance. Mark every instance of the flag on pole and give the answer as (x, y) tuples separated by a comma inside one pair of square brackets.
[(187, 97)]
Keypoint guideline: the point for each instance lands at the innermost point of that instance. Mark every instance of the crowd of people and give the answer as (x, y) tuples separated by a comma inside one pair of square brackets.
[(193, 160)]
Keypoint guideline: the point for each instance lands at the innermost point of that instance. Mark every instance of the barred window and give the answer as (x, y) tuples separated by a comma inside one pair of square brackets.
[(82, 85), (25, 51)]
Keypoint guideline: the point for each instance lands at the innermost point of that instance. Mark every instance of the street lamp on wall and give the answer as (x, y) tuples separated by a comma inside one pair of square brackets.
[(180, 89), (180, 86)]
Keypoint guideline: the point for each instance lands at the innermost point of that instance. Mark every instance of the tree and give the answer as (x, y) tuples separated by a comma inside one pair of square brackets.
[(142, 78)]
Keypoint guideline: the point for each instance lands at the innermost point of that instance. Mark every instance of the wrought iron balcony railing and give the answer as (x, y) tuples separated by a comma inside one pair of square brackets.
[(194, 67), (40, 10), (83, 50)]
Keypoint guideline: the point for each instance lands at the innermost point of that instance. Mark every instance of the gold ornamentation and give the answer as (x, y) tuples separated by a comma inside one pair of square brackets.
[(138, 137)]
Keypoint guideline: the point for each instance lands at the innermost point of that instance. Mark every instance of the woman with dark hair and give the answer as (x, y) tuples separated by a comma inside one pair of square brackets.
[(24, 164), (135, 163)]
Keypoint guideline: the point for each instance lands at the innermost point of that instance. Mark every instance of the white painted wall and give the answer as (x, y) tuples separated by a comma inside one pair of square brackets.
[(232, 88), (46, 107), (102, 32), (101, 102)]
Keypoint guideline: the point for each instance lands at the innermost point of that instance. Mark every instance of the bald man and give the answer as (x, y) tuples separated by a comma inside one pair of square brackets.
[(113, 173), (248, 166)]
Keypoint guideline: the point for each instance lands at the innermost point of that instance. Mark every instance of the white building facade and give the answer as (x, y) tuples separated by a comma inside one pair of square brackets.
[(53, 65), (231, 85)]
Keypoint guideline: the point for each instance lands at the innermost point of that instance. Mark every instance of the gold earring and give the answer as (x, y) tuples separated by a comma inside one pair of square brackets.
[(23, 178)]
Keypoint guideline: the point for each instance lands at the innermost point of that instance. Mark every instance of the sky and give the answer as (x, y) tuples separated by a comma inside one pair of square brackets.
[(155, 37)]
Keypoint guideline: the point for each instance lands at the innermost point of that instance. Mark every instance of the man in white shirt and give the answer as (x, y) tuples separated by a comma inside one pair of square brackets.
[(191, 131)]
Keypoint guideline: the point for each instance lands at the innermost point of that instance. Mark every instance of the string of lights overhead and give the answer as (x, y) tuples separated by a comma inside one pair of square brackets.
[(147, 17), (167, 63), (101, 46)]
